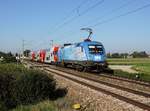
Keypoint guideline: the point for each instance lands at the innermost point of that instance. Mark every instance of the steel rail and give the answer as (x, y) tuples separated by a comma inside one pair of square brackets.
[(114, 77), (128, 100), (147, 84), (127, 80), (106, 83)]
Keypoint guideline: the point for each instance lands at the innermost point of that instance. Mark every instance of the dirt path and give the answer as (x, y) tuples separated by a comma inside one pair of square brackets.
[(126, 68)]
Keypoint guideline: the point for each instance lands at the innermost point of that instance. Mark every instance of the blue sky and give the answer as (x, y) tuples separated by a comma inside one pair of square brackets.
[(40, 21)]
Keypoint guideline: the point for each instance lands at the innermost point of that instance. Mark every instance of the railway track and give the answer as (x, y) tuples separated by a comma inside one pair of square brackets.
[(106, 79), (127, 80), (120, 97), (108, 84), (143, 86), (106, 75), (59, 72)]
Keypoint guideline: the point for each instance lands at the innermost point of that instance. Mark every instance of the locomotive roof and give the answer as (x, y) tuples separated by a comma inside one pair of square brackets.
[(90, 42), (83, 43)]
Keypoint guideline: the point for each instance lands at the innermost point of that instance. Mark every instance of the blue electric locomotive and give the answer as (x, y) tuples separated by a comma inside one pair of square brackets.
[(86, 55)]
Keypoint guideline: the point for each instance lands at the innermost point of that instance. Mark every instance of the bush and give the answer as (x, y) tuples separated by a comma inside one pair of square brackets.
[(33, 87), (2, 106), (25, 88), (6, 87)]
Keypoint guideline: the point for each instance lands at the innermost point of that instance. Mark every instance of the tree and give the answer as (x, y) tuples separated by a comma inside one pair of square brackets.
[(7, 57), (27, 52), (2, 54), (9, 54), (115, 55), (143, 54), (139, 54), (109, 55), (16, 54), (124, 55)]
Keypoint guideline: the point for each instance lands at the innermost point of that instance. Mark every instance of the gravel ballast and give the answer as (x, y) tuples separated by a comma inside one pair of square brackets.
[(90, 99)]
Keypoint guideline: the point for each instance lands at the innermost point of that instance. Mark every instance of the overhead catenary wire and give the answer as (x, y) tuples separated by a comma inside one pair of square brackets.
[(75, 9), (91, 7), (71, 13), (81, 14), (118, 16), (112, 11), (84, 12), (121, 15)]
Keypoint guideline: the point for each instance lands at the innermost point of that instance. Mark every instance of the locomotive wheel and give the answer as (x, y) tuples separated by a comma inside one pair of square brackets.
[(85, 69), (79, 68), (63, 64)]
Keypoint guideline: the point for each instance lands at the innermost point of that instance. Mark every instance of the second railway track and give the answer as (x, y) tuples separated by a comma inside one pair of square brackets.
[(146, 84), (118, 96), (137, 102)]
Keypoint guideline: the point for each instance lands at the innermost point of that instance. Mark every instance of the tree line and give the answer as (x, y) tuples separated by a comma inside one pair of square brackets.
[(135, 54), (7, 57)]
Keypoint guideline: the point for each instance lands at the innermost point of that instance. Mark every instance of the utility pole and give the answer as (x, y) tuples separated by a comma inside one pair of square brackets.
[(23, 49), (51, 43)]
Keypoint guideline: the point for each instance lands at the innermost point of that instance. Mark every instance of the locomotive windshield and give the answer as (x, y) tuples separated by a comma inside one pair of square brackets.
[(95, 49)]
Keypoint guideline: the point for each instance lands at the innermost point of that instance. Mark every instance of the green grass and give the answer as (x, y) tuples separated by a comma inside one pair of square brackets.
[(11, 67), (143, 68), (142, 76), (142, 65), (129, 61), (42, 106)]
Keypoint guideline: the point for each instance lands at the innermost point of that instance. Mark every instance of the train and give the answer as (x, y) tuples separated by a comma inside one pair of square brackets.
[(86, 55)]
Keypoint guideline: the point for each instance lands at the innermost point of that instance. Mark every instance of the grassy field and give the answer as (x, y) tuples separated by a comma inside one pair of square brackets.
[(129, 61), (142, 65), (144, 68), (42, 106), (139, 64)]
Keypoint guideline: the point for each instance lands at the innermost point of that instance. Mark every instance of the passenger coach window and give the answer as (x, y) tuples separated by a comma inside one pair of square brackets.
[(95, 49), (47, 58)]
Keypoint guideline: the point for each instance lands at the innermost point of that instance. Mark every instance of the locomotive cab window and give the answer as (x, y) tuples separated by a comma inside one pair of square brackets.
[(95, 49)]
